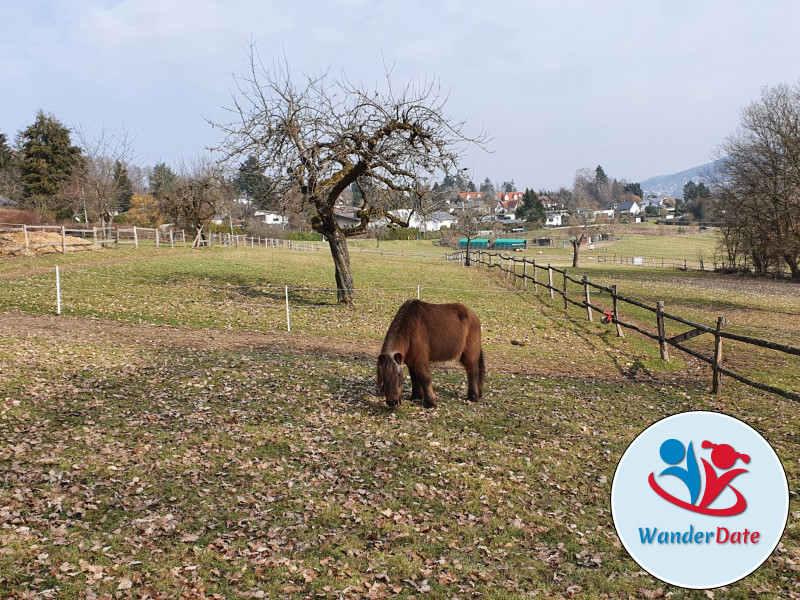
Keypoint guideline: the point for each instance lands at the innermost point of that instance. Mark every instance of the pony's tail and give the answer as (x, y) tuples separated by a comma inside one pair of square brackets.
[(481, 370)]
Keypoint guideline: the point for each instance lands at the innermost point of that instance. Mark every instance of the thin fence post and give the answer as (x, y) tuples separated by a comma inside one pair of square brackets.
[(171, 238), (662, 335), (288, 321), (94, 235), (524, 272), (535, 281), (550, 279), (588, 300), (25, 231), (716, 385), (135, 238), (63, 240), (157, 237), (58, 291), (183, 234), (566, 305), (616, 312)]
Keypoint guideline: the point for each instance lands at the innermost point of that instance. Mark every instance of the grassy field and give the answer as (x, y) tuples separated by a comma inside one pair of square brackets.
[(167, 437)]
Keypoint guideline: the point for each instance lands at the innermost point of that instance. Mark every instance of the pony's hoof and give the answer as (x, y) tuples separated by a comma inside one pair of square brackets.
[(473, 397), (430, 403)]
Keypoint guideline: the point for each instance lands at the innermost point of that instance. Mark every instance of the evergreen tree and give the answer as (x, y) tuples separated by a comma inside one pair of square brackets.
[(9, 170), (689, 191), (531, 208), (250, 180), (6, 153), (600, 175), (162, 180), (123, 187), (633, 188), (509, 186), (48, 157)]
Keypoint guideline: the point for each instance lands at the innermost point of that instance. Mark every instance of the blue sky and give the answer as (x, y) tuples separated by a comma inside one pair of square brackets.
[(640, 87)]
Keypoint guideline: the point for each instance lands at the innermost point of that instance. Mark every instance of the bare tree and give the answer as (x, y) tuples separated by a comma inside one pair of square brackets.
[(98, 188), (471, 221), (200, 192), (577, 233), (757, 183), (320, 135)]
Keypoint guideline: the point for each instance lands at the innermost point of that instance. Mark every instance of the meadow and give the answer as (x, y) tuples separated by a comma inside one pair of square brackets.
[(166, 436)]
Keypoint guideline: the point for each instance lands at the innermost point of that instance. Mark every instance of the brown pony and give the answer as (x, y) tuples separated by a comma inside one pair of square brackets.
[(421, 333)]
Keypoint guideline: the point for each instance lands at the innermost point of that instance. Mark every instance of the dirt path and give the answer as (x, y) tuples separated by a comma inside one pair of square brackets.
[(114, 333)]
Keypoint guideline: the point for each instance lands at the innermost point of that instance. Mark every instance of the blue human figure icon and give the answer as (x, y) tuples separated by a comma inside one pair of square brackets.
[(672, 453)]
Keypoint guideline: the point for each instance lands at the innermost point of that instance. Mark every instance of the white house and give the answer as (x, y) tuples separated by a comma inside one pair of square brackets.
[(556, 218), (629, 208), (271, 218), (440, 219)]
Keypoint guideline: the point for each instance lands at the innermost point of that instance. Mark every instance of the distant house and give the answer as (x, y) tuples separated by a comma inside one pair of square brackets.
[(6, 202), (271, 218), (467, 197), (347, 217), (556, 218), (432, 222), (507, 203), (629, 208), (440, 219)]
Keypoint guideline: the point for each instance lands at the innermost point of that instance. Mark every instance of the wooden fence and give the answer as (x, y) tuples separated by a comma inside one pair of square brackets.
[(134, 235), (528, 274)]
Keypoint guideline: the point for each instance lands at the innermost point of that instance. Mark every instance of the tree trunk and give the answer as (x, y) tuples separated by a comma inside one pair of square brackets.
[(341, 262), (576, 251), (466, 257)]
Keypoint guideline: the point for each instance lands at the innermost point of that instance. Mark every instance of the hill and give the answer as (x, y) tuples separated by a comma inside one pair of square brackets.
[(672, 185)]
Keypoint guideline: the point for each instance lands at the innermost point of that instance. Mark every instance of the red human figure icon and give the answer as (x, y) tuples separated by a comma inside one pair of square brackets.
[(724, 457)]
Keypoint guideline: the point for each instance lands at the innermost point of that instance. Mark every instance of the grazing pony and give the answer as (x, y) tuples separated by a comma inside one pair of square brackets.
[(422, 333)]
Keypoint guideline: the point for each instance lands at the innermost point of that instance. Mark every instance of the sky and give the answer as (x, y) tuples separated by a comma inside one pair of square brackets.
[(640, 87)]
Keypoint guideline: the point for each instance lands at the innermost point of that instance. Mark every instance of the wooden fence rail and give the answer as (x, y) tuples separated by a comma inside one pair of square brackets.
[(117, 235), (508, 265)]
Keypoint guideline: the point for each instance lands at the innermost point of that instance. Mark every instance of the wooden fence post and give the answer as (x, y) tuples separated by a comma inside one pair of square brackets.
[(662, 335), (716, 385), (616, 314), (63, 240), (25, 231), (171, 238), (550, 279), (566, 305), (524, 272), (588, 299), (535, 281), (157, 237), (135, 238), (94, 235)]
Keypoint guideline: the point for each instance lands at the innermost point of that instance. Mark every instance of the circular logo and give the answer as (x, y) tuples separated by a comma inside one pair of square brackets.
[(700, 500)]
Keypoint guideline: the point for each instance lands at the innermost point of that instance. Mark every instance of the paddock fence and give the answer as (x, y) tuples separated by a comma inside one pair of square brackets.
[(116, 235), (528, 273)]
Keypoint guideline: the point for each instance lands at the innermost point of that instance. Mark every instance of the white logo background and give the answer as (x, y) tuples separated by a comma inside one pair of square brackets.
[(635, 505)]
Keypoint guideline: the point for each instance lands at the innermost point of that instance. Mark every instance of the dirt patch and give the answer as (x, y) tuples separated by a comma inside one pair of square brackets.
[(13, 243), (56, 329)]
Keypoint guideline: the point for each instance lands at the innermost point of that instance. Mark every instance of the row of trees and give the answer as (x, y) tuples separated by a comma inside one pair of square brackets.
[(95, 178), (756, 186)]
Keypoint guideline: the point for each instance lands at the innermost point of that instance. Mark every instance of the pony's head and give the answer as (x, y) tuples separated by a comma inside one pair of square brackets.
[(390, 377)]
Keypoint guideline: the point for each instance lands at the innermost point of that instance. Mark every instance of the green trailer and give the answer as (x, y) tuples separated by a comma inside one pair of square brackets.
[(510, 244), (475, 244)]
